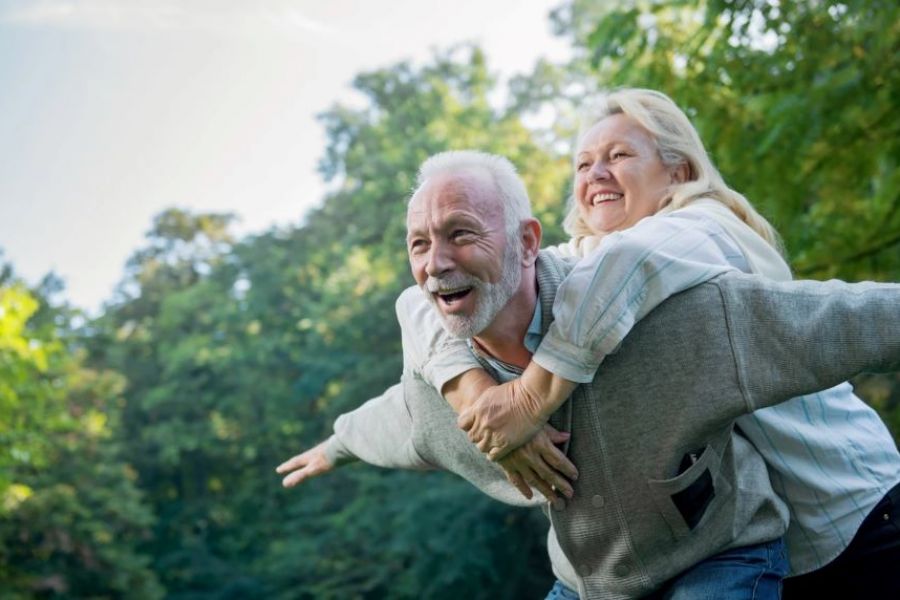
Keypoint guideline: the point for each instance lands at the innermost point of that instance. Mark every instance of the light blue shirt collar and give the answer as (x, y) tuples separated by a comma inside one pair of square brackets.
[(533, 337)]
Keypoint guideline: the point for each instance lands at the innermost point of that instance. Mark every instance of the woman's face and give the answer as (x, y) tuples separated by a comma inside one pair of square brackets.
[(619, 177)]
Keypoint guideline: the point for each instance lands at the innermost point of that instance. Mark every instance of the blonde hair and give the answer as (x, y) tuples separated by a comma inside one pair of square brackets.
[(677, 143)]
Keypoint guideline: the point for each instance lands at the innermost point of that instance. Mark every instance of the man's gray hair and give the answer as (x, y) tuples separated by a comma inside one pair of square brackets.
[(510, 188)]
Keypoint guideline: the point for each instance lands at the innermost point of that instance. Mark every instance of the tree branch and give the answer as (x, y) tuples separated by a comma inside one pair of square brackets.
[(885, 244)]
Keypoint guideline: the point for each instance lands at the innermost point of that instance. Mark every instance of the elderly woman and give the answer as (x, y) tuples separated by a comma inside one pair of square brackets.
[(643, 185)]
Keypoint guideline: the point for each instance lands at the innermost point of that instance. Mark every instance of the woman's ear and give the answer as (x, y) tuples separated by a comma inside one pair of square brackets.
[(531, 241), (680, 172)]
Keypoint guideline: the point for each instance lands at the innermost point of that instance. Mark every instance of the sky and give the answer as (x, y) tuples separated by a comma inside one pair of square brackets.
[(114, 110)]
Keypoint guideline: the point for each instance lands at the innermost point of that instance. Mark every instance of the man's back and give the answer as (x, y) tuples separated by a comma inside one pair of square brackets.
[(646, 410), (664, 481)]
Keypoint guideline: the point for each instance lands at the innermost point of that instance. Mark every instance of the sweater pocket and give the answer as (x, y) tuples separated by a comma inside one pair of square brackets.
[(687, 500)]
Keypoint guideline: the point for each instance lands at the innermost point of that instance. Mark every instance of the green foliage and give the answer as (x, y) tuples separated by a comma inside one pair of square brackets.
[(70, 516), (797, 102), (239, 354), (138, 450)]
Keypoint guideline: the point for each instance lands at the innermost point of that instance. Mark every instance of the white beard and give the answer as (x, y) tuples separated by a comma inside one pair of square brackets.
[(492, 297)]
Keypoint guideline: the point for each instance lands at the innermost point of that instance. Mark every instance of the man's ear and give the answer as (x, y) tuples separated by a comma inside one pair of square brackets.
[(531, 241), (680, 173)]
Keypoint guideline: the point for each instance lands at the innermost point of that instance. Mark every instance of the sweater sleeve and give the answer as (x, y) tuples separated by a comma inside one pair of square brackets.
[(428, 350), (379, 432), (627, 276), (795, 338)]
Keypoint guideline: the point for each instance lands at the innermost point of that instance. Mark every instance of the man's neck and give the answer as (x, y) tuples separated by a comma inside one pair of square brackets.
[(504, 337)]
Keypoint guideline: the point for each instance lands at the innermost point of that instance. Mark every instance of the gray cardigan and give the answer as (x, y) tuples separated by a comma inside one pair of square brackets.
[(640, 514)]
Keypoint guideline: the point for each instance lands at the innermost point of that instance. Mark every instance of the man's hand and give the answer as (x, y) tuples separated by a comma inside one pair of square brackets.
[(311, 463), (540, 464), (506, 416)]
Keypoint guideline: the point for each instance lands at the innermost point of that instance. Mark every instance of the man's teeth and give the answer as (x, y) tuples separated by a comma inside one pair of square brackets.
[(453, 291), (598, 198)]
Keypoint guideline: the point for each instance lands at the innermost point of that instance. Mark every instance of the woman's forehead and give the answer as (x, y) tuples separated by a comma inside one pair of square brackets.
[(612, 129)]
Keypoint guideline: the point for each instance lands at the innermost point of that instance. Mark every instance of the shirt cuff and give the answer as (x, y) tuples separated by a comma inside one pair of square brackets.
[(337, 453), (572, 362), (447, 363)]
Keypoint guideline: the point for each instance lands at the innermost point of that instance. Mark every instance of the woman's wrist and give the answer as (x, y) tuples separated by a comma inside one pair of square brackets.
[(545, 390), (462, 391)]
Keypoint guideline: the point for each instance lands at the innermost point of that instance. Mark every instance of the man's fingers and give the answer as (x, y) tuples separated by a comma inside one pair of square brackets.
[(294, 478), (559, 462), (557, 481), (517, 480), (525, 478), (548, 477), (313, 468), (556, 436), (536, 481), (292, 463)]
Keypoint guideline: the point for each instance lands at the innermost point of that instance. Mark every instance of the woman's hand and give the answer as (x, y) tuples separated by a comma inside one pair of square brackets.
[(506, 416), (311, 463), (541, 465)]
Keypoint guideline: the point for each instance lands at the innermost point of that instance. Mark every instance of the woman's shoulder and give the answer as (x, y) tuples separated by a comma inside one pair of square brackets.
[(576, 247), (704, 208)]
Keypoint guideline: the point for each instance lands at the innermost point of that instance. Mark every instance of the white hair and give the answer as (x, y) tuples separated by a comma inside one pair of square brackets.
[(677, 142), (512, 195)]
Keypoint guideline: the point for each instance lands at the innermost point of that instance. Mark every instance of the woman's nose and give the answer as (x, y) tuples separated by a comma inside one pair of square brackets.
[(599, 171)]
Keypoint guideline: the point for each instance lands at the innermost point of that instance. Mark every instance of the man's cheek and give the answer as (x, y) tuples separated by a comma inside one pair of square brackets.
[(415, 267)]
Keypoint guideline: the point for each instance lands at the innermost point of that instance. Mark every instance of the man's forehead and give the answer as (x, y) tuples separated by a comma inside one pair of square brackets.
[(467, 191)]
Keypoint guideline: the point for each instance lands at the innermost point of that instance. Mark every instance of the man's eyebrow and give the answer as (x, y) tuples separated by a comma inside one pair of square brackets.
[(454, 217)]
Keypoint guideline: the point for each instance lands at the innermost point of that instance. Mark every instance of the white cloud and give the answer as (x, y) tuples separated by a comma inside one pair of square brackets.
[(226, 18)]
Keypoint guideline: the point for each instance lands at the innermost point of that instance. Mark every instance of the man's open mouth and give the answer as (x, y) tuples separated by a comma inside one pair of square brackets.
[(450, 296)]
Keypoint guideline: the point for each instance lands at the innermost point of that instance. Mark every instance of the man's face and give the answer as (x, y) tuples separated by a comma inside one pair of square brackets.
[(459, 253)]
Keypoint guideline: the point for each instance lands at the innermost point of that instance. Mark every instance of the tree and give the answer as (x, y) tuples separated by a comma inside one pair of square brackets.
[(238, 354), (70, 516), (796, 101)]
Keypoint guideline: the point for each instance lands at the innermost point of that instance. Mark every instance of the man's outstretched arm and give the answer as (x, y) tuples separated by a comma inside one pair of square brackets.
[(794, 338), (379, 432)]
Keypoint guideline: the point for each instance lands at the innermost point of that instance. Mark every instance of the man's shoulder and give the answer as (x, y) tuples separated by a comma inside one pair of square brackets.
[(553, 265)]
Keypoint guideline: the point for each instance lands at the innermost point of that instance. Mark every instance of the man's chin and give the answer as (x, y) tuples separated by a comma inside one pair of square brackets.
[(459, 326)]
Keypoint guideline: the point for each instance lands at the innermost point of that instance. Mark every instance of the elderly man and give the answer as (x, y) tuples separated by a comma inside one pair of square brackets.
[(665, 482)]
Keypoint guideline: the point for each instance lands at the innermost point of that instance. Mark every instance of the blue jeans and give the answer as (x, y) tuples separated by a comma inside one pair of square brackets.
[(560, 591), (746, 573)]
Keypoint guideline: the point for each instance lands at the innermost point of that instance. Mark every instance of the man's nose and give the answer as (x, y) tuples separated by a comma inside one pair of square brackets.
[(440, 259)]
